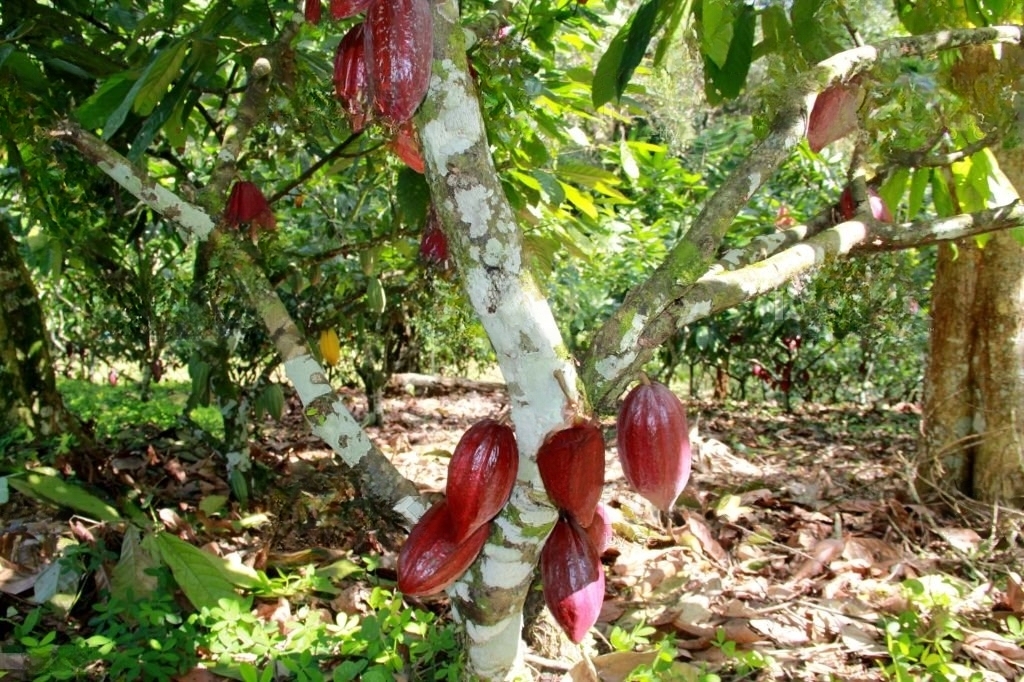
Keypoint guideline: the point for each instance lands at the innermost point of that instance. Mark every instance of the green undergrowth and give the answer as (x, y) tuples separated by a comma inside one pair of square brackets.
[(114, 410), (249, 638)]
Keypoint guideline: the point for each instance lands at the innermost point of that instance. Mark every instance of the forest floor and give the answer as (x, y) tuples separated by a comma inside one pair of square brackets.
[(799, 550)]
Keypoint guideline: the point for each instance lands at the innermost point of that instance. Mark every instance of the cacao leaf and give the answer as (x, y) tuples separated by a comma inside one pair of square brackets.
[(573, 578), (571, 464), (431, 558), (197, 573), (481, 474), (63, 493), (654, 443)]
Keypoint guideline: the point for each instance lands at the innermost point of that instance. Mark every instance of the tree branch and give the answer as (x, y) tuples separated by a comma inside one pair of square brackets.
[(629, 337), (721, 290)]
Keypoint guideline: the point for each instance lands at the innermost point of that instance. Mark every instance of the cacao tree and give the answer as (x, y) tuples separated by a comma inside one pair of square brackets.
[(154, 102), (974, 384)]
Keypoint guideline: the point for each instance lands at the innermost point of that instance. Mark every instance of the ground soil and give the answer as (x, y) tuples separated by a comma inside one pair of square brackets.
[(789, 548)]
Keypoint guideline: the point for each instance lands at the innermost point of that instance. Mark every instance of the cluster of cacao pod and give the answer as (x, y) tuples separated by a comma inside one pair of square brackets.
[(446, 541), (654, 449), (571, 464), (382, 66)]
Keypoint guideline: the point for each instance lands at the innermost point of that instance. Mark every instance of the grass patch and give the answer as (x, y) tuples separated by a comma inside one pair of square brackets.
[(116, 410)]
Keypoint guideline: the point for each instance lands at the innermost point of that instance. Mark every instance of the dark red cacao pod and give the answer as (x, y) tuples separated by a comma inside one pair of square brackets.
[(834, 115), (481, 474), (600, 529), (343, 9), (570, 567), (432, 558), (654, 443), (247, 205), (571, 463), (350, 79), (433, 243), (848, 208), (312, 11), (406, 146), (399, 48)]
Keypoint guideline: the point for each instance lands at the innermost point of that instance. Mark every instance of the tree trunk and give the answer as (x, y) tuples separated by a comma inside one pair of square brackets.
[(28, 387), (974, 385)]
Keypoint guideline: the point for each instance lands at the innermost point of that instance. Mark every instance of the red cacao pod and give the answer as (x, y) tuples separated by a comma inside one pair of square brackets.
[(399, 48), (432, 558), (312, 11), (834, 115), (406, 145), (571, 463), (247, 205), (350, 79), (573, 578), (481, 474), (654, 443), (433, 243), (600, 529), (848, 208), (343, 9)]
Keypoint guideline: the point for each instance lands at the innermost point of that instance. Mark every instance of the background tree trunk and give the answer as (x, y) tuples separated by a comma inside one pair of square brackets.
[(974, 384), (28, 387)]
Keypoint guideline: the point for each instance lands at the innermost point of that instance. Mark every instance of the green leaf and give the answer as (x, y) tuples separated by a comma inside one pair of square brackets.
[(581, 201), (918, 185), (624, 54), (130, 576), (271, 401), (65, 494), (585, 174), (678, 10), (776, 31), (163, 113), (413, 197), (26, 71), (716, 30), (941, 196), (551, 190), (808, 29), (97, 109), (203, 577), (158, 77), (893, 188), (727, 81)]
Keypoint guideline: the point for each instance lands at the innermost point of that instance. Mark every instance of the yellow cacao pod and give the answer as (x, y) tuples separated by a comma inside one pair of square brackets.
[(330, 347)]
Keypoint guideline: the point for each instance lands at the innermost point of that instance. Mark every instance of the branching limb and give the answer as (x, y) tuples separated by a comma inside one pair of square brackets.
[(628, 338), (720, 291), (329, 418)]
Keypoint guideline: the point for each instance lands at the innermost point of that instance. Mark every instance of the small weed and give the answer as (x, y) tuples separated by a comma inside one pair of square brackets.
[(742, 662), (922, 641)]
